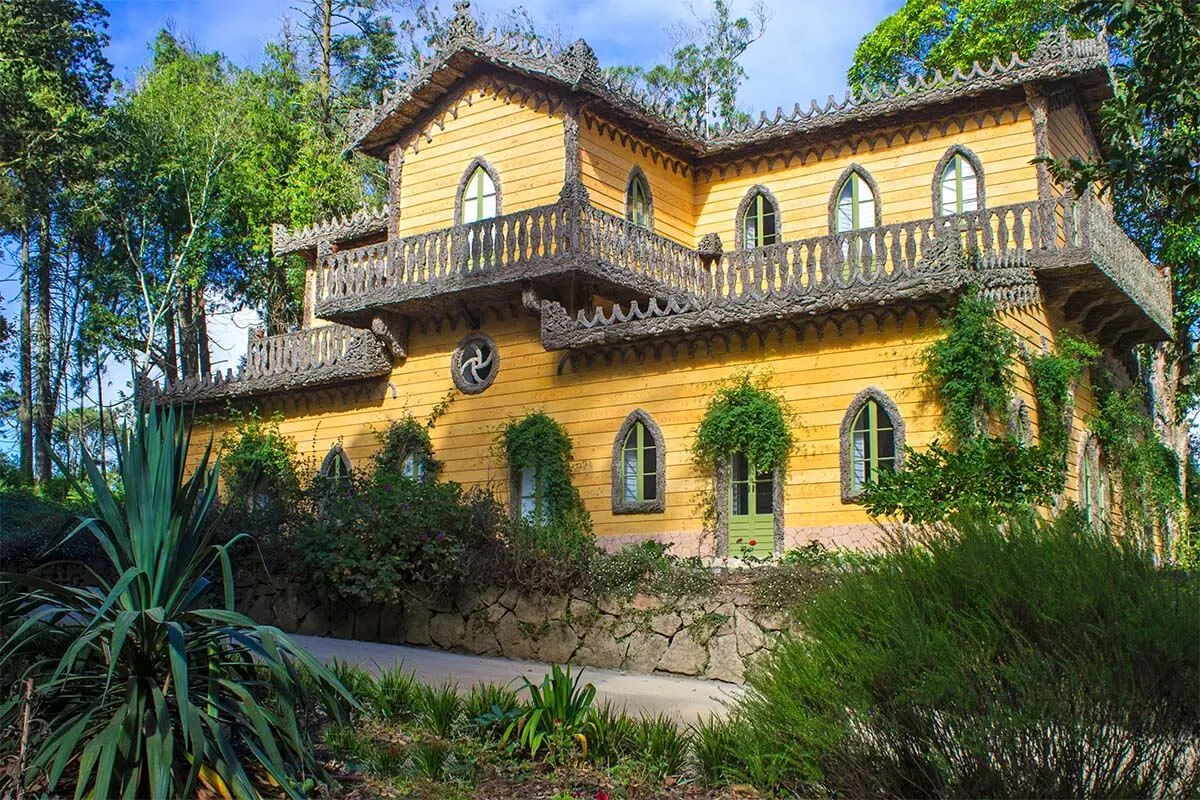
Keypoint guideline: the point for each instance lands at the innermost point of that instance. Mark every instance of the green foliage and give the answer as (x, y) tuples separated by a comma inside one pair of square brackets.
[(927, 35), (146, 690), (1037, 659), (395, 696), (717, 754), (553, 558), (33, 525), (538, 442), (492, 708), (1055, 376), (648, 568), (1149, 471), (800, 573), (401, 438), (744, 416), (559, 710), (996, 476), (968, 367), (439, 708), (662, 745), (391, 536), (261, 484), (611, 734), (702, 79)]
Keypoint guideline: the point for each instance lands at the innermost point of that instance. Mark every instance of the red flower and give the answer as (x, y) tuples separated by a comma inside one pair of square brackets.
[(601, 795), (752, 543)]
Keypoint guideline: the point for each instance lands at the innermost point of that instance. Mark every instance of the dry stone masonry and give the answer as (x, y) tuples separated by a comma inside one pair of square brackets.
[(714, 637)]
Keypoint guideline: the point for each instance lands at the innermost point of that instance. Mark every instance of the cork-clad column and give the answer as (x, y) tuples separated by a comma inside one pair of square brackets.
[(395, 172), (571, 164), (1040, 109)]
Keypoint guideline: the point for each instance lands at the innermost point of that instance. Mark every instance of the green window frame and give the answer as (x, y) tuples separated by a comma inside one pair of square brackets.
[(637, 201), (760, 225), (639, 466), (959, 186), (479, 199), (856, 201), (873, 444)]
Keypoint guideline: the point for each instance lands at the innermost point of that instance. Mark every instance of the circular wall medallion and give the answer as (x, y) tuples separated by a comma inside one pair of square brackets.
[(475, 363)]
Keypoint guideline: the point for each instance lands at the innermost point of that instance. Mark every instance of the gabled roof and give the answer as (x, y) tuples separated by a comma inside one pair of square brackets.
[(575, 71)]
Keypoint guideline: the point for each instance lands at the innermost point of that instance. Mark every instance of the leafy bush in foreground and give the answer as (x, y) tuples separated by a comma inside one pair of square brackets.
[(1041, 660), (144, 690)]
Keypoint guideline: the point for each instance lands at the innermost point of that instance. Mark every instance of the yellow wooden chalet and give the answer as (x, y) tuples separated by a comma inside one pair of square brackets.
[(553, 241)]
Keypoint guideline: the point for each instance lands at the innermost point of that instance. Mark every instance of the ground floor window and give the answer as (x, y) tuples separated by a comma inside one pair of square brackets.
[(533, 505)]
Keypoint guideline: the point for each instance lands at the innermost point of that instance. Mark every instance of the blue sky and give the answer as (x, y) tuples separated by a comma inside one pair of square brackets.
[(804, 54)]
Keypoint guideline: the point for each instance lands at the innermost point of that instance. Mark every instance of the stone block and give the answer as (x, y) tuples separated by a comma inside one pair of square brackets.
[(622, 627), (509, 598), (750, 638), (489, 595), (645, 648), (480, 637), (666, 624), (600, 649), (391, 624), (724, 663), (558, 645), (446, 629), (646, 602), (467, 602), (684, 656), (315, 622), (366, 623), (416, 625), (533, 609), (513, 641), (287, 610)]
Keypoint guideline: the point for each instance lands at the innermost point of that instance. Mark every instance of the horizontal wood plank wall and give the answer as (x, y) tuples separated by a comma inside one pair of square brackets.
[(803, 180), (607, 155), (817, 376), (523, 143), (1067, 133)]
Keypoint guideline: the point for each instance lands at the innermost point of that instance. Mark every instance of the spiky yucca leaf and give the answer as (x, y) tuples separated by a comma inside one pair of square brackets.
[(146, 690)]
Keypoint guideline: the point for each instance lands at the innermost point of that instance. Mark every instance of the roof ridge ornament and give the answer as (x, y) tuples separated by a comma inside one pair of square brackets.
[(463, 28), (580, 59)]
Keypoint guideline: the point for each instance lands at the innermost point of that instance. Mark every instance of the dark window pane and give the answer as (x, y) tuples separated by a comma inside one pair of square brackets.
[(649, 487), (768, 226), (741, 468), (764, 494), (887, 444), (649, 458)]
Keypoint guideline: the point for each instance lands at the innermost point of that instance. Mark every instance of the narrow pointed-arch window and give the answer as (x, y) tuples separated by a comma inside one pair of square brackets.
[(479, 197), (759, 220), (639, 207), (959, 186), (413, 466), (336, 466), (855, 204), (1093, 499), (638, 477), (872, 441)]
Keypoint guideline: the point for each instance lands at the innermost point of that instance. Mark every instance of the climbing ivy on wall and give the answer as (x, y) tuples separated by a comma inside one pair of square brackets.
[(744, 416), (256, 455), (1055, 376), (403, 437), (1148, 470), (968, 367), (538, 441)]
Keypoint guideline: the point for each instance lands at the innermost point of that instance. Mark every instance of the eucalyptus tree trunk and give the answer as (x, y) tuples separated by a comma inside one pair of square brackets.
[(44, 423), (25, 408)]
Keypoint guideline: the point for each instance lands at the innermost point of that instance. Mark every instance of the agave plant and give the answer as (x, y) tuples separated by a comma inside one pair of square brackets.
[(143, 688)]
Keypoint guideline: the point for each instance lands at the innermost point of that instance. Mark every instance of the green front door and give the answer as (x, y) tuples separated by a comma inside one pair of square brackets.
[(751, 510)]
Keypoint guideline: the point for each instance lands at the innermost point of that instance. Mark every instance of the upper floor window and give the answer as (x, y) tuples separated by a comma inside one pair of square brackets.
[(758, 219), (856, 205), (639, 482), (958, 183), (639, 206), (479, 195), (872, 440)]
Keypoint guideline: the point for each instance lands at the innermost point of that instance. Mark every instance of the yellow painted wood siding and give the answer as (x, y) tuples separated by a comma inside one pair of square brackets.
[(523, 143), (1002, 139), (817, 376), (1067, 134), (607, 157)]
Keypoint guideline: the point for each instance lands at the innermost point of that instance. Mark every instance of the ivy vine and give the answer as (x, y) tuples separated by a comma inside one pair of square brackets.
[(1148, 470), (256, 458), (968, 367), (1055, 376), (537, 441), (402, 438), (744, 416)]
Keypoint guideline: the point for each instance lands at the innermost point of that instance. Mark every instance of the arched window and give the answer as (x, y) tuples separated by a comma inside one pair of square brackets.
[(758, 219), (855, 202), (639, 477), (336, 466), (872, 440), (957, 183), (478, 194), (639, 205)]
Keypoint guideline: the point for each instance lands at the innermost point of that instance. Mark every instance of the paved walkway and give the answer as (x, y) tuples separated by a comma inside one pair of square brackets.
[(685, 699)]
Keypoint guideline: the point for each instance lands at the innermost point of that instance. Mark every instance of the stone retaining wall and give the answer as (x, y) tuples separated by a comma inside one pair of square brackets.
[(712, 637)]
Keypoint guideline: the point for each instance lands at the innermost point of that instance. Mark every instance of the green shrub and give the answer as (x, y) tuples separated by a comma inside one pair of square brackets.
[(662, 745), (1037, 660), (261, 487), (403, 438), (391, 535), (143, 689), (985, 475), (439, 708), (395, 696), (558, 714), (33, 529), (717, 754), (744, 416), (611, 734), (552, 558), (492, 708)]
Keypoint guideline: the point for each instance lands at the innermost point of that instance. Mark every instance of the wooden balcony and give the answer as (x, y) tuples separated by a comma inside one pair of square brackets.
[(1071, 249), (330, 354)]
